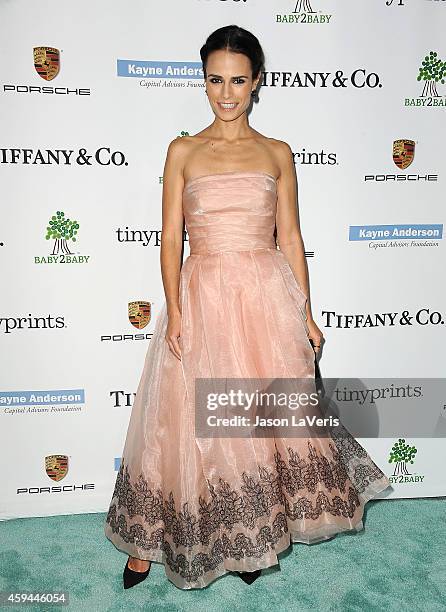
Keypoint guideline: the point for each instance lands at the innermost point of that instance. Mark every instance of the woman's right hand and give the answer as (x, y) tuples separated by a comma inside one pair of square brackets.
[(173, 332)]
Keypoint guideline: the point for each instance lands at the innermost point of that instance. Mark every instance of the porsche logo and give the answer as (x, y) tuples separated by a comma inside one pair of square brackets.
[(140, 313), (46, 62), (403, 152), (56, 466)]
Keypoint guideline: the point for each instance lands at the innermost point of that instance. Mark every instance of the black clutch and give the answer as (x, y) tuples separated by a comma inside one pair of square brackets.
[(319, 383), (317, 372)]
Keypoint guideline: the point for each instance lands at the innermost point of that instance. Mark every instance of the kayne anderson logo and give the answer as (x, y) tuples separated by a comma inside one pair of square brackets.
[(46, 62), (61, 231), (162, 74), (431, 72), (403, 153), (402, 455), (42, 402), (398, 235), (303, 13), (139, 315)]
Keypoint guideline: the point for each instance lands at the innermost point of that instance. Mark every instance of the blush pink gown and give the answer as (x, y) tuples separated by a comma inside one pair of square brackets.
[(207, 506)]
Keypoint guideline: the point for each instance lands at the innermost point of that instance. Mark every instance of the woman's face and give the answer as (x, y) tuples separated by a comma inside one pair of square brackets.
[(229, 83)]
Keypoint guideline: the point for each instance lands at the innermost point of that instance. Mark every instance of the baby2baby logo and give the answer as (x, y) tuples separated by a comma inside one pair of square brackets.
[(61, 231), (303, 13), (402, 455), (431, 72)]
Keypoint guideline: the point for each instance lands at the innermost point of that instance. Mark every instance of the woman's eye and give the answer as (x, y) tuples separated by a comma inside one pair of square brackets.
[(237, 81)]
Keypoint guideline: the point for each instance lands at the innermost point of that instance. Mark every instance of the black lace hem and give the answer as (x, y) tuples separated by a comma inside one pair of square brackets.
[(265, 499)]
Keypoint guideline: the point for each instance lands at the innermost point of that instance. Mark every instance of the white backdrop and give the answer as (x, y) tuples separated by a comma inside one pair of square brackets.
[(86, 135)]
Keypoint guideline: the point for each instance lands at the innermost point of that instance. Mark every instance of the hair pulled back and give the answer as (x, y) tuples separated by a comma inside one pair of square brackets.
[(237, 40)]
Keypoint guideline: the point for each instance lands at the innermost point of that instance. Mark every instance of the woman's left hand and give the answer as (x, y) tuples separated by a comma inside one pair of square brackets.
[(315, 334)]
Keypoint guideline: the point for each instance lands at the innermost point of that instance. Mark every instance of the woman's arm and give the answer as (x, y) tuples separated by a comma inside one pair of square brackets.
[(172, 224), (289, 236), (172, 239)]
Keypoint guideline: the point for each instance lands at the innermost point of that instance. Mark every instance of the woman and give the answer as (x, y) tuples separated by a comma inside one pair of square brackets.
[(237, 308)]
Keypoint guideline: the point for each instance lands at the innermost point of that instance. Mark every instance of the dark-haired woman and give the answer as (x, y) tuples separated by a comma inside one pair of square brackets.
[(238, 308)]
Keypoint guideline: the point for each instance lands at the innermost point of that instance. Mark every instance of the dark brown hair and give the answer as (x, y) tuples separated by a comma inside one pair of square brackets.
[(237, 40)]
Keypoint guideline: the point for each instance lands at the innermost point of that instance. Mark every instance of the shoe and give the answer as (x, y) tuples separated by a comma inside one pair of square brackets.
[(249, 577), (132, 577)]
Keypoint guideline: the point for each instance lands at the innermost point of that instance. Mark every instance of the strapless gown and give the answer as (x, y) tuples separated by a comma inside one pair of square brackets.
[(207, 506)]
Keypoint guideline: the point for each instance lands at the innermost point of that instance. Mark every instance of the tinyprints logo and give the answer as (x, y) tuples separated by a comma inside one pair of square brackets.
[(162, 74), (303, 13), (403, 235), (431, 71), (42, 402), (401, 455)]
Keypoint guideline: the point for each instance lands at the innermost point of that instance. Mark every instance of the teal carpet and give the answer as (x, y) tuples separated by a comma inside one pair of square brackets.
[(397, 563)]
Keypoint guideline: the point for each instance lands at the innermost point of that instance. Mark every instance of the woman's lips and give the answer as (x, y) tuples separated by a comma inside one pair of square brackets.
[(227, 106)]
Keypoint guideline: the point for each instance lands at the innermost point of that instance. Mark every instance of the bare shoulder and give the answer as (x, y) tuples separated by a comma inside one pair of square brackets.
[(179, 147), (179, 151), (281, 149), (275, 145), (282, 155), (185, 145)]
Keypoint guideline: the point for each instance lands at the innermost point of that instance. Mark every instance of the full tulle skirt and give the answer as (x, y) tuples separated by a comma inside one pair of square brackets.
[(204, 506)]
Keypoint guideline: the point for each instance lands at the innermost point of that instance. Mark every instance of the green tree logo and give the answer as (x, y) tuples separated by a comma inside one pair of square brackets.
[(402, 454), (61, 230), (303, 6), (432, 70)]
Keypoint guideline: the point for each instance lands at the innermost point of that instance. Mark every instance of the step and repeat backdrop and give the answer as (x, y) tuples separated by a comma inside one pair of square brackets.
[(91, 95)]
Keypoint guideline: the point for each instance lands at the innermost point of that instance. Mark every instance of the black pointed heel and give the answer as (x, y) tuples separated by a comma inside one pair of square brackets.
[(249, 577), (131, 577)]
